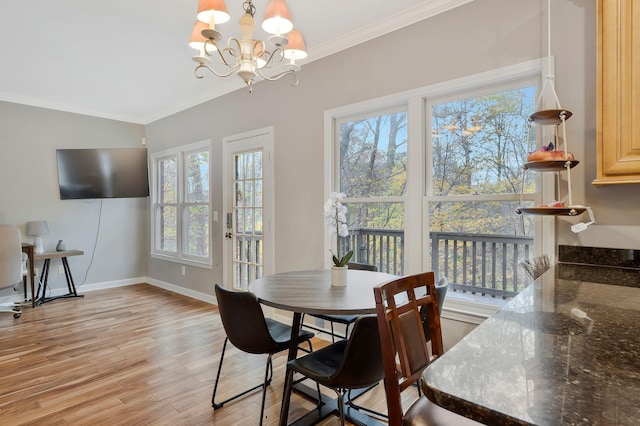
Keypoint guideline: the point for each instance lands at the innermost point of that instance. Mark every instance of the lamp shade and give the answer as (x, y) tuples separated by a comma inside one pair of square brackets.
[(197, 39), (277, 19), (37, 228), (295, 47), (216, 9)]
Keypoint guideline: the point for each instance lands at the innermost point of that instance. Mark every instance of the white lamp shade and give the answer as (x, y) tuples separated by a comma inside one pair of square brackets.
[(295, 48), (37, 228), (197, 39), (277, 19), (216, 9)]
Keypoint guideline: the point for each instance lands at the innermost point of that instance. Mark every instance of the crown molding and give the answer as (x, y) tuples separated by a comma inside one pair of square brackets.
[(422, 11)]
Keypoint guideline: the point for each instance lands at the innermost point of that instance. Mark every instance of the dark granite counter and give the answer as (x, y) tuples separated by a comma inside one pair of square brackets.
[(562, 352)]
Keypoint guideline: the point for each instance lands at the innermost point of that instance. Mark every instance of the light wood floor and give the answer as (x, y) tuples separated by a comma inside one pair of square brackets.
[(135, 355)]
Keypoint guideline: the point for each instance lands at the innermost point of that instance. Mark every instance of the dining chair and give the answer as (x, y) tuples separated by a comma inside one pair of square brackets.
[(441, 293), (250, 331), (10, 265), (405, 353), (346, 320), (355, 363)]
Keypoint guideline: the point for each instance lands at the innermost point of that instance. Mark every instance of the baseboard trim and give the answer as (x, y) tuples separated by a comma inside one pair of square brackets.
[(183, 291)]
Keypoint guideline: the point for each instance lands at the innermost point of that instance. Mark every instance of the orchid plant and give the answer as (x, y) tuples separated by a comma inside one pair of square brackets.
[(335, 216)]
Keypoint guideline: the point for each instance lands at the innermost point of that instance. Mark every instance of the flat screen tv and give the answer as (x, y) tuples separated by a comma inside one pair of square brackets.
[(102, 173)]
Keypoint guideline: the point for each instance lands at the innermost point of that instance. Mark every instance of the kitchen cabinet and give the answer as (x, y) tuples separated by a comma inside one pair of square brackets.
[(618, 92)]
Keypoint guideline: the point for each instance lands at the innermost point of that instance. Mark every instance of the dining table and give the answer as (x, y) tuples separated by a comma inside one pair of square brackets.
[(311, 292), (562, 352)]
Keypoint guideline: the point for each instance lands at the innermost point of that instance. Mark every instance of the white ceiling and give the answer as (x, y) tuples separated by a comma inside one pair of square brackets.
[(129, 59)]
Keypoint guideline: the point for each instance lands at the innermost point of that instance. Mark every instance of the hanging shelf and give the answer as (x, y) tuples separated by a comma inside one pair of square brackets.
[(552, 211), (564, 163), (551, 165), (560, 161)]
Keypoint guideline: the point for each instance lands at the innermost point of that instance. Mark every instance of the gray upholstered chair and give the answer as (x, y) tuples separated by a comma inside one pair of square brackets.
[(11, 270)]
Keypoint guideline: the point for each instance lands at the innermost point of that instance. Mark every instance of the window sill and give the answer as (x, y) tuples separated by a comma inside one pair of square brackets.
[(203, 265), (473, 312)]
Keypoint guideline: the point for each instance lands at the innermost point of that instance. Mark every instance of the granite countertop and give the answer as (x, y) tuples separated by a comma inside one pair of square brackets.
[(562, 352)]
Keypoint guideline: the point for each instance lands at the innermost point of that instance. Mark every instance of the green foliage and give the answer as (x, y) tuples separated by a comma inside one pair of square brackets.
[(343, 260)]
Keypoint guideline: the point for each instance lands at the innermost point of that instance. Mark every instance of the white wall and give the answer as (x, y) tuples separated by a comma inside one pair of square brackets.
[(29, 137)]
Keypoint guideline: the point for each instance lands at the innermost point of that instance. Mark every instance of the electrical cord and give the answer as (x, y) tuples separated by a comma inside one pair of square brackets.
[(95, 244)]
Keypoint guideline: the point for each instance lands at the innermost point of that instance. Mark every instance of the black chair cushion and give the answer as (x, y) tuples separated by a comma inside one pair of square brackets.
[(322, 364), (281, 333)]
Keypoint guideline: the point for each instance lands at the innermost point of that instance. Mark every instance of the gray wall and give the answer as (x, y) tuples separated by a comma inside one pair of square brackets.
[(478, 37), (29, 137)]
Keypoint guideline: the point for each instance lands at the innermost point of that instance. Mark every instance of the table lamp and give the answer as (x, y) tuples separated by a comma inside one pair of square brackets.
[(36, 229)]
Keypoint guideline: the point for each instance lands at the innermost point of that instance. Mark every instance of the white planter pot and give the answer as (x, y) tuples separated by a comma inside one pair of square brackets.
[(339, 276)]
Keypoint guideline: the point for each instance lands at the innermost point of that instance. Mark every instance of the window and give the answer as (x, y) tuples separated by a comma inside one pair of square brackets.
[(445, 162), (479, 145), (373, 175), (181, 205)]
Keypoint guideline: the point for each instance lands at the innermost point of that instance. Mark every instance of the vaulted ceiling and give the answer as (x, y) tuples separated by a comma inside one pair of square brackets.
[(129, 59)]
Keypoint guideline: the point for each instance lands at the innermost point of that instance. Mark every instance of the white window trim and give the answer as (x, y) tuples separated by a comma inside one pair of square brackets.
[(179, 153), (415, 201)]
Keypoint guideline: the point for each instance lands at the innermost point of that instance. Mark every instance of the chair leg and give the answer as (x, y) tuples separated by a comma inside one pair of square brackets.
[(286, 397), (333, 334), (215, 386), (340, 405), (217, 405), (268, 375)]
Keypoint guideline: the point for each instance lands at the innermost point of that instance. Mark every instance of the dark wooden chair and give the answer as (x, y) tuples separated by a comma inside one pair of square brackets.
[(405, 353), (355, 363), (249, 331), (346, 320)]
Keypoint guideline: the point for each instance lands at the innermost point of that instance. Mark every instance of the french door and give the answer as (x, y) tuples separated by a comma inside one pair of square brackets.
[(248, 207)]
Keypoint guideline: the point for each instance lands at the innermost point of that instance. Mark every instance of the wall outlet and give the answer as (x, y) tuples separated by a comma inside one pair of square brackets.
[(60, 269), (184, 270)]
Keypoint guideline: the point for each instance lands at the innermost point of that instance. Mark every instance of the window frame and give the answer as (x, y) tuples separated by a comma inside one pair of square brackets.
[(419, 147), (179, 154)]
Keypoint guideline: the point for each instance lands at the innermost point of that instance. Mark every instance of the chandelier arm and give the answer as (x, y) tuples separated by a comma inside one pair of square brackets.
[(221, 53), (195, 72), (292, 73), (272, 58)]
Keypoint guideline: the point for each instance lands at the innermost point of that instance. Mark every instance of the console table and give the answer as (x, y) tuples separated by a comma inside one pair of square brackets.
[(44, 275)]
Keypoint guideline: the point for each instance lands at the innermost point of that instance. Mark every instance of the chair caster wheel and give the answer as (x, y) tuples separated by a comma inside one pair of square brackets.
[(17, 315)]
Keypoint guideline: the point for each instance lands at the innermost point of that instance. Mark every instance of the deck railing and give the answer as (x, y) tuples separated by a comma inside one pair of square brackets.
[(485, 265)]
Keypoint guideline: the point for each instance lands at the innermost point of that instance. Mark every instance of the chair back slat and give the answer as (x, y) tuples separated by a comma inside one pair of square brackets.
[(405, 353)]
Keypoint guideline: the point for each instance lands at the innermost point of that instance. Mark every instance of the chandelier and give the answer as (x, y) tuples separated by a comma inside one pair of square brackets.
[(247, 57)]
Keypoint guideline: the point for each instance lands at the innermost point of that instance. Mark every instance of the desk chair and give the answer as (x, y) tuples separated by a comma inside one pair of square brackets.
[(346, 320), (347, 364), (11, 265), (249, 331), (404, 348)]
